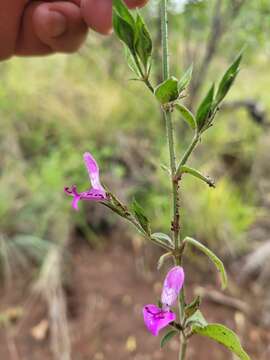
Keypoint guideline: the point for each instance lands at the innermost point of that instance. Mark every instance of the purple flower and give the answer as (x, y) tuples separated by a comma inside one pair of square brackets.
[(173, 283), (157, 318), (96, 192)]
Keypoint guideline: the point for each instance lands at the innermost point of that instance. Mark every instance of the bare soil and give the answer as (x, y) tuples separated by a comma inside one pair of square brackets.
[(105, 299)]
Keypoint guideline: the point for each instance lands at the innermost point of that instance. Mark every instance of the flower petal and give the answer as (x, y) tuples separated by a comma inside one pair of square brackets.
[(93, 195), (172, 285), (156, 319), (93, 171), (75, 202)]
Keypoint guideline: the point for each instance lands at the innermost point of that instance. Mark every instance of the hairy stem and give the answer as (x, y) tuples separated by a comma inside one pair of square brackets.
[(168, 121), (183, 349), (170, 137)]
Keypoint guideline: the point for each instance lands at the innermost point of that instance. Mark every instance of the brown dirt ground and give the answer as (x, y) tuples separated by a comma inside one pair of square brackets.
[(105, 299)]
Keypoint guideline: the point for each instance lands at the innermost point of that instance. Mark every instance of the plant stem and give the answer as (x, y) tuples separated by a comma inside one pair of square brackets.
[(188, 152), (145, 77), (165, 40), (168, 121), (175, 183), (183, 349)]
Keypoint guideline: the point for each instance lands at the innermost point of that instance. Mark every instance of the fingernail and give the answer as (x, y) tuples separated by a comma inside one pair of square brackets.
[(57, 23)]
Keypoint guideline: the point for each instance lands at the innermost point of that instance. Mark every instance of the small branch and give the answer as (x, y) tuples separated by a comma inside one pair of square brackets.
[(188, 170), (188, 152), (144, 77)]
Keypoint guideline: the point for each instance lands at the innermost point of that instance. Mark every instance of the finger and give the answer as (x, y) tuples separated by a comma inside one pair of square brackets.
[(51, 27), (98, 13), (10, 14), (135, 3)]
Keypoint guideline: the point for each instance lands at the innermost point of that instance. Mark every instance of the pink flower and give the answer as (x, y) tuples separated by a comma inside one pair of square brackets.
[(157, 318), (96, 192)]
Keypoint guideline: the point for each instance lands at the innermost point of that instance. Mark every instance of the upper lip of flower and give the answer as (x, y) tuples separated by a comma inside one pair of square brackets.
[(96, 192)]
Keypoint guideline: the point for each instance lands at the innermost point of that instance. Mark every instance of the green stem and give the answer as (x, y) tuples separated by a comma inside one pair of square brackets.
[(168, 121), (183, 348), (165, 40), (145, 77), (188, 152), (175, 183)]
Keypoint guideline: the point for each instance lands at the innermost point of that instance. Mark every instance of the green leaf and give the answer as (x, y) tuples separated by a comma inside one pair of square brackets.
[(197, 320), (131, 62), (197, 174), (186, 115), (192, 308), (122, 10), (162, 237), (204, 111), (223, 336), (228, 79), (143, 42), (167, 337), (124, 31), (167, 91), (185, 79), (141, 217), (124, 24), (216, 260)]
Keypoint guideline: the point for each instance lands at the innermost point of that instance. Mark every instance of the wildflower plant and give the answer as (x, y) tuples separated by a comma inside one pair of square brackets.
[(137, 41)]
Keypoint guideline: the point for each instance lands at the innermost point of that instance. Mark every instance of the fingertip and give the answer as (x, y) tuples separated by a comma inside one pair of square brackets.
[(98, 15), (60, 26), (135, 3), (49, 23)]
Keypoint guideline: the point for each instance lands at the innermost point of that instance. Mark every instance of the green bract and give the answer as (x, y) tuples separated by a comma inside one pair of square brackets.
[(141, 217), (167, 91)]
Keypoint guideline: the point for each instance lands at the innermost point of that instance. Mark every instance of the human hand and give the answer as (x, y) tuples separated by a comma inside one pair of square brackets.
[(33, 27)]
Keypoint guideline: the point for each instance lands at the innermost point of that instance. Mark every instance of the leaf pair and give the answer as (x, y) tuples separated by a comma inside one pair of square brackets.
[(134, 34), (210, 103), (170, 89)]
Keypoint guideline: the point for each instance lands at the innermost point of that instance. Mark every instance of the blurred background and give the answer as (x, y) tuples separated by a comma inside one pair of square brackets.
[(73, 284)]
